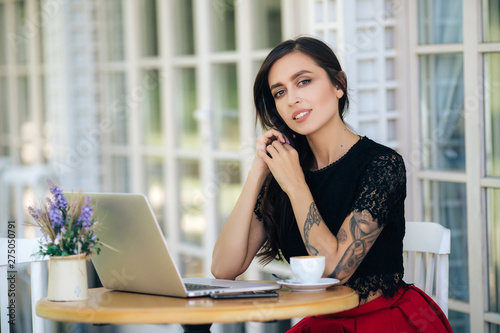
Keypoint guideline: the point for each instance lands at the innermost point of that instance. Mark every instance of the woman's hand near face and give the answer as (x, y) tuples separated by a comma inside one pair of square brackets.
[(283, 161), (267, 138)]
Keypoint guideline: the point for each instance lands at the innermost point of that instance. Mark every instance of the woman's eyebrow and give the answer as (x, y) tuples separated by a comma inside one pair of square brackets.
[(293, 77)]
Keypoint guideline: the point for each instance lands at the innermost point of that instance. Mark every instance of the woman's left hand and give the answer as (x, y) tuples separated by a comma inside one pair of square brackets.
[(283, 161)]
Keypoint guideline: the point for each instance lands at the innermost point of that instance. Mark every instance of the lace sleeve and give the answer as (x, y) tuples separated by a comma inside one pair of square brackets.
[(382, 188), (257, 210)]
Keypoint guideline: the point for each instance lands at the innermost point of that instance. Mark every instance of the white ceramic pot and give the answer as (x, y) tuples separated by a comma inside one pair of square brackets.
[(67, 278)]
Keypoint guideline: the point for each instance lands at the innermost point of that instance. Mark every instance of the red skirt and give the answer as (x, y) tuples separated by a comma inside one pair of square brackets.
[(410, 310)]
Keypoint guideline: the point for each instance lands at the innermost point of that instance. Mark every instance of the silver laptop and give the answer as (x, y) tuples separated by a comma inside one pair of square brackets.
[(136, 257)]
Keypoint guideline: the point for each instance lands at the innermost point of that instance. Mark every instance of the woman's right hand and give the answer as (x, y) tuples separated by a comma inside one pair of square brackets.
[(262, 142)]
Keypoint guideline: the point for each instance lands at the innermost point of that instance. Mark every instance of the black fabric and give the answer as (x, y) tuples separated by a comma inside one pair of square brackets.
[(369, 177)]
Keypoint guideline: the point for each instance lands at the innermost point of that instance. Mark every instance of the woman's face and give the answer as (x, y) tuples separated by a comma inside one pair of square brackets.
[(305, 97)]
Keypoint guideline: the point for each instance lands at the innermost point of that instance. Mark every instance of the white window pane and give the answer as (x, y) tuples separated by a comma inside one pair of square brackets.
[(318, 12), (4, 102), (3, 35), (154, 186), (191, 202), (390, 8), (226, 119), (493, 328), (186, 101), (367, 70), (118, 112), (332, 10), (391, 100), (492, 112), (389, 38), (493, 249), (491, 21), (149, 93), (148, 24), (24, 114), (446, 204), (266, 23), (115, 45), (389, 69), (366, 40), (120, 173), (369, 129), (20, 40), (367, 101), (365, 9), (227, 179), (332, 39), (184, 27), (460, 322), (439, 21), (223, 25), (441, 112), (392, 130)]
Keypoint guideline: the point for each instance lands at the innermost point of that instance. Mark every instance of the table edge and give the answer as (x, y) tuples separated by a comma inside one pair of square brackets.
[(265, 313)]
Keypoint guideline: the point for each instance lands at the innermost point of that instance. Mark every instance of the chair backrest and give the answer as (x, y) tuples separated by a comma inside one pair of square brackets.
[(21, 251), (426, 247)]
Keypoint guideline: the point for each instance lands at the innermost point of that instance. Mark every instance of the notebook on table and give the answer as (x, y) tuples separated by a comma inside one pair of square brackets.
[(137, 258)]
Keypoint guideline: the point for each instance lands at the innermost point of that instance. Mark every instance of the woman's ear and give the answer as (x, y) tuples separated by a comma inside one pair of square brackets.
[(340, 92), (342, 84)]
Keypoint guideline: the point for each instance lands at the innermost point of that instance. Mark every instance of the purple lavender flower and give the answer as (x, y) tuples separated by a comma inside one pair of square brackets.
[(55, 217), (60, 200), (33, 212), (86, 213)]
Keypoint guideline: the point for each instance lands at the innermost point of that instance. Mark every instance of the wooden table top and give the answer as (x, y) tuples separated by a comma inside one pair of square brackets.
[(115, 307)]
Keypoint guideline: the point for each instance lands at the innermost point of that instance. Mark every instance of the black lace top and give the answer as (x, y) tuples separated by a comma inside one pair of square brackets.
[(369, 177)]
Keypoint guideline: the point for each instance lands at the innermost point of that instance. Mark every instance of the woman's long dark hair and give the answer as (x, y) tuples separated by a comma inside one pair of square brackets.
[(276, 208)]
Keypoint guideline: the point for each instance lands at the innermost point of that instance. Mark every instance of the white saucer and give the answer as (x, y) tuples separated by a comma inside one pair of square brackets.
[(318, 286)]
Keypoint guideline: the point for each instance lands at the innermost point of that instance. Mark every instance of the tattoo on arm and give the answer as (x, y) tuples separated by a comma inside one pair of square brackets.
[(313, 218), (342, 236), (364, 231)]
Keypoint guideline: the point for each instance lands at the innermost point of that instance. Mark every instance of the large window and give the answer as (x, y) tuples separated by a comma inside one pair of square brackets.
[(454, 151)]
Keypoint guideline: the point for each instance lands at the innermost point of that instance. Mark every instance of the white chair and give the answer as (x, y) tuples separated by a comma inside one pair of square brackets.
[(24, 248), (426, 247)]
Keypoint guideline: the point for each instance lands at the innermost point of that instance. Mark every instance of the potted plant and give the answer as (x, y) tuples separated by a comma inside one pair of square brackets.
[(69, 237)]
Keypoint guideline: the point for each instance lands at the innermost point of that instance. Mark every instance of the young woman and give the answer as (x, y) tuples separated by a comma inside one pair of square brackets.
[(317, 188)]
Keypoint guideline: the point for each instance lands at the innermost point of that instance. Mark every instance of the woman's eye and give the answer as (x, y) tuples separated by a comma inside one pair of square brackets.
[(278, 93), (304, 82)]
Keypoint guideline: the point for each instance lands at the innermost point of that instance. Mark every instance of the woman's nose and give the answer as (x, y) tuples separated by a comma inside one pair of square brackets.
[(293, 99)]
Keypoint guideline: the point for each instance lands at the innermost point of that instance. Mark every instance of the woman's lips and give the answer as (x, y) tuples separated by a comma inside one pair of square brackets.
[(301, 115)]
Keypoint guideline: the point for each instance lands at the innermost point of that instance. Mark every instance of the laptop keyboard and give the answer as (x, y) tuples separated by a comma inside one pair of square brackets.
[(193, 286)]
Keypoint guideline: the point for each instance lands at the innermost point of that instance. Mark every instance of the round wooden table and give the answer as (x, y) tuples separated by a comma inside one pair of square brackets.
[(115, 307)]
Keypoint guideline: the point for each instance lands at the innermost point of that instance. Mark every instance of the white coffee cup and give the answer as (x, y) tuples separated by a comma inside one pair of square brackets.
[(308, 269)]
